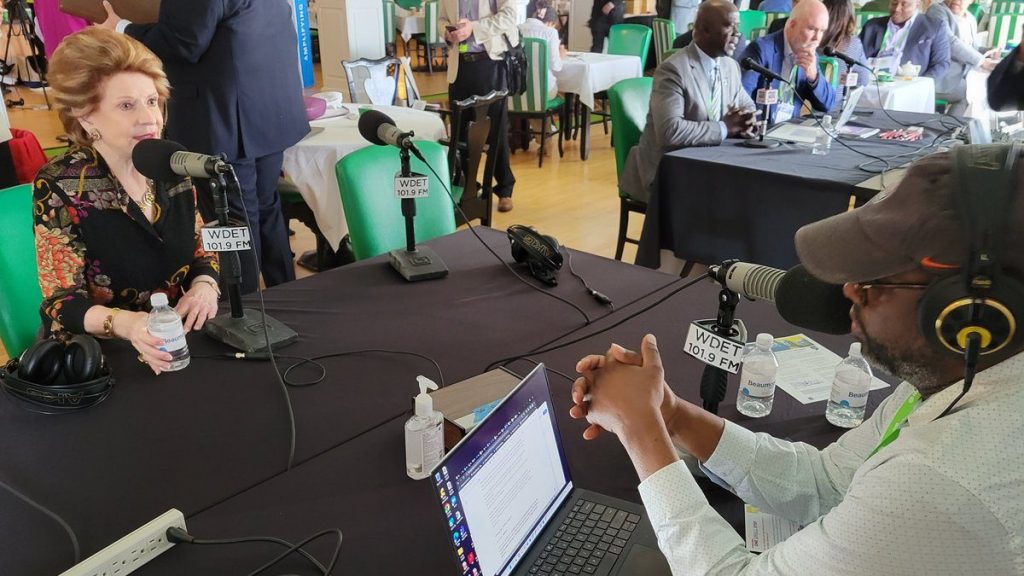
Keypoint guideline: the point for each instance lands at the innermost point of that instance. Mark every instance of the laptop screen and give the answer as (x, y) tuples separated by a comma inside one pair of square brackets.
[(504, 481)]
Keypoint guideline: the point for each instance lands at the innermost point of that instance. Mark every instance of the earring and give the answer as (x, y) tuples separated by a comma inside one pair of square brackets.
[(95, 135)]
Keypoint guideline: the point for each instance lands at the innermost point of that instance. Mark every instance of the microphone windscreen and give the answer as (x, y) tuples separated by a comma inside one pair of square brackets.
[(747, 63), (369, 124), (805, 301), (152, 158), (828, 51)]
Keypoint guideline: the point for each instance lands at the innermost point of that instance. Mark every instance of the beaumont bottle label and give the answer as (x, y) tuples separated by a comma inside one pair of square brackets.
[(757, 388), (843, 395)]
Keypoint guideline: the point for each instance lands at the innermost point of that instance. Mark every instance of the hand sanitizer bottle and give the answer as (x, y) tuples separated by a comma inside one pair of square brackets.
[(424, 434)]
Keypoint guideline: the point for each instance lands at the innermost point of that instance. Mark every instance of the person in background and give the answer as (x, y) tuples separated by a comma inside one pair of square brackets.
[(964, 83), (55, 25), (907, 37), (477, 32), (929, 484), (792, 54), (841, 37), (1006, 83), (106, 237), (776, 6), (237, 92), (697, 98), (542, 25), (604, 15)]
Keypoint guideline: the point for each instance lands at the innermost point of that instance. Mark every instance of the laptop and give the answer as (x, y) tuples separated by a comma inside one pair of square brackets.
[(807, 131), (510, 507)]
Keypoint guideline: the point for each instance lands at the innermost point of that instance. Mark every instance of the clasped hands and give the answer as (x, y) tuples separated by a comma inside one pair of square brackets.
[(739, 122)]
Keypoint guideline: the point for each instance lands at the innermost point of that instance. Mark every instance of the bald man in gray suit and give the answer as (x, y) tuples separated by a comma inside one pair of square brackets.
[(697, 99)]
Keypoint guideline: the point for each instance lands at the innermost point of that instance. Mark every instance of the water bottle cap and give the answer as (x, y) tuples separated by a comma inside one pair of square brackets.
[(765, 340), (855, 349), (158, 299)]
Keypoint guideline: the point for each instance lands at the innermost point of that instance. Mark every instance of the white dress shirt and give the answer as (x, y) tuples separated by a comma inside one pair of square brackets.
[(945, 498)]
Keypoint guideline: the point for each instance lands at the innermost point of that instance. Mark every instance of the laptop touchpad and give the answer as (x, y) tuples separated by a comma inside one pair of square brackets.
[(644, 561)]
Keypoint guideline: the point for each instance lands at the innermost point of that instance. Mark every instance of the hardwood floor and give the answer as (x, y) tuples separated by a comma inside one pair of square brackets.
[(575, 201)]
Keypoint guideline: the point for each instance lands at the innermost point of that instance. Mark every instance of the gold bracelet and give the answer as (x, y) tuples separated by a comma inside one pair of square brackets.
[(216, 288), (108, 323)]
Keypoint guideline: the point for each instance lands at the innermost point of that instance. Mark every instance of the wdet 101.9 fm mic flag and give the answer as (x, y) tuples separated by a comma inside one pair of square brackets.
[(801, 299)]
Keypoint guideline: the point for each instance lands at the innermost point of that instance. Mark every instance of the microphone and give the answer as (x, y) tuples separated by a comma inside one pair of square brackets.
[(801, 299), (164, 160), (378, 128), (850, 60), (749, 64)]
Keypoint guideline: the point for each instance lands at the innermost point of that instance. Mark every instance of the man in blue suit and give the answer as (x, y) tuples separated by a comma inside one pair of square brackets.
[(233, 68), (907, 36), (791, 54)]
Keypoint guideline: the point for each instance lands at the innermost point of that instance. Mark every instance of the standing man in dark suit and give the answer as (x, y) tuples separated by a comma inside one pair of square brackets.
[(697, 98), (604, 15), (233, 68), (907, 36), (792, 55), (1006, 83)]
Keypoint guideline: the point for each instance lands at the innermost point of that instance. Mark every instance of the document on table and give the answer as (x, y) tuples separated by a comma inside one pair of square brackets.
[(806, 368), (766, 530)]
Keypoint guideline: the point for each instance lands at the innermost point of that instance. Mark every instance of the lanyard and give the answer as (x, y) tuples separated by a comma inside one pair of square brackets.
[(899, 40), (893, 431)]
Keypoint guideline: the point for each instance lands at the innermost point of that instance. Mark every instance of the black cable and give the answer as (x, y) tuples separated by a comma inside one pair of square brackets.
[(508, 359), (440, 373), (263, 356), (487, 246), (290, 551), (51, 514), (970, 367), (594, 293), (549, 369), (179, 536)]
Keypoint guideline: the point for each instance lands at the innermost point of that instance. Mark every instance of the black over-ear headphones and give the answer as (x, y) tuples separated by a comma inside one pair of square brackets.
[(540, 252), (59, 376), (982, 304)]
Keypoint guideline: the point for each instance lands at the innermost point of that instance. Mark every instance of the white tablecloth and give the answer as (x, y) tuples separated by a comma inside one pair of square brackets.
[(310, 163), (584, 73), (913, 95), (408, 23)]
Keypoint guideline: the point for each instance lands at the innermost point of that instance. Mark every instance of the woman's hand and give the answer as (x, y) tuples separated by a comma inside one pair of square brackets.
[(198, 305), (132, 327)]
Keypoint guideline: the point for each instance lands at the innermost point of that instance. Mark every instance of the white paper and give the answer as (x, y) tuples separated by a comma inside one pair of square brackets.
[(766, 530), (806, 368)]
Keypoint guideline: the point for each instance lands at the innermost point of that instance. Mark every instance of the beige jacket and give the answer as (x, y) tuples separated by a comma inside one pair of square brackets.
[(487, 30)]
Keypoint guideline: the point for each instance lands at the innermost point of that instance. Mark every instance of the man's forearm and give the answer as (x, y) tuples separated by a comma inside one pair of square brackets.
[(694, 429), (650, 448)]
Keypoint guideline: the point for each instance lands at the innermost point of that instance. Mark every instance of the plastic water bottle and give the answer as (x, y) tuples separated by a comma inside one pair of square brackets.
[(849, 398), (757, 380), (164, 323), (823, 142)]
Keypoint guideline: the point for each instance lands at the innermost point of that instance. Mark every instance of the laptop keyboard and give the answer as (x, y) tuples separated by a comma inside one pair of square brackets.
[(589, 534)]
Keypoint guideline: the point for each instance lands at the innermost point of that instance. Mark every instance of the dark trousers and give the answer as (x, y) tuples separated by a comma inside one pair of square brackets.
[(477, 78), (601, 24)]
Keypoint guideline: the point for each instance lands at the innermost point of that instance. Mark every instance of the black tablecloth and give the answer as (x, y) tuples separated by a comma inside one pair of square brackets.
[(731, 201)]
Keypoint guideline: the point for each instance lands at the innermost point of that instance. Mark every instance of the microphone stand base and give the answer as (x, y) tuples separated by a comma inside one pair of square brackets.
[(760, 143), (420, 264), (246, 333)]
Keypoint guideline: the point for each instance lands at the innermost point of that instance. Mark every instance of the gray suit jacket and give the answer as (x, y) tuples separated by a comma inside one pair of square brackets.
[(963, 56), (678, 116)]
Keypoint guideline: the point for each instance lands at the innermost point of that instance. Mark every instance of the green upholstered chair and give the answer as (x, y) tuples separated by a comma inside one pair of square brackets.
[(1004, 30), (20, 296), (830, 69), (864, 15), (1007, 7), (630, 40), (534, 103), (366, 178), (664, 36), (750, 19), (978, 11), (409, 4), (770, 17), (630, 100), (432, 38), (758, 33)]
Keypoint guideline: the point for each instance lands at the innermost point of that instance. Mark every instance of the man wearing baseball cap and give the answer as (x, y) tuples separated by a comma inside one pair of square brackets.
[(932, 482)]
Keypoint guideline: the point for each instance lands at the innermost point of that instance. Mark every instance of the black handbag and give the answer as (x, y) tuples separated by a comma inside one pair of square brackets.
[(515, 68)]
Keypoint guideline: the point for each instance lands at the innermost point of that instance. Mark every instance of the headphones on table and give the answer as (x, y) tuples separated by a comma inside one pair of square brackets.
[(55, 376), (540, 252)]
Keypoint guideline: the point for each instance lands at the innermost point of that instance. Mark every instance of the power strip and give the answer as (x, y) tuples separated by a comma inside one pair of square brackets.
[(129, 553)]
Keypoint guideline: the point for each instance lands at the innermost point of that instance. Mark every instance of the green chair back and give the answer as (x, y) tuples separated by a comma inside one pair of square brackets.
[(758, 33), (830, 69), (409, 4), (1007, 7), (977, 10), (863, 17), (366, 178), (1004, 28), (630, 40), (535, 99), (389, 22), (629, 101), (664, 36), (431, 31), (770, 17), (20, 296), (750, 19)]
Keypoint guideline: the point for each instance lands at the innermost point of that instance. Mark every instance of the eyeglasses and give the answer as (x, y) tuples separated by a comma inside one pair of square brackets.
[(862, 289)]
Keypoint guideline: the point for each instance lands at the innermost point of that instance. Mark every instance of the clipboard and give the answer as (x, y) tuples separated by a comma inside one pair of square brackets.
[(137, 11)]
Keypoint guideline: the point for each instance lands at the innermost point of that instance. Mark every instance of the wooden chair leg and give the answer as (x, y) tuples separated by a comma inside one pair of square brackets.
[(687, 268), (560, 153), (543, 139)]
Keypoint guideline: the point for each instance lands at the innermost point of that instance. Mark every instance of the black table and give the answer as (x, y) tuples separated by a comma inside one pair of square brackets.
[(731, 201)]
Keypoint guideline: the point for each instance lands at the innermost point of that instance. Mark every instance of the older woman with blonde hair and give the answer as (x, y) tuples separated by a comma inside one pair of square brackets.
[(106, 237)]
